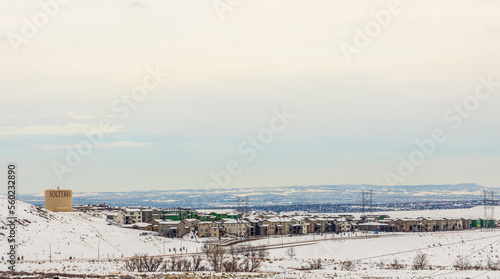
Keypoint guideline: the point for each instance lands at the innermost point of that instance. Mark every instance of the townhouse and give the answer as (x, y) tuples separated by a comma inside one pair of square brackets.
[(173, 229), (210, 229), (234, 227)]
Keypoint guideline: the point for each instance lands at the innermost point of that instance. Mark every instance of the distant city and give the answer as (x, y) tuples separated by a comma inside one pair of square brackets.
[(316, 198)]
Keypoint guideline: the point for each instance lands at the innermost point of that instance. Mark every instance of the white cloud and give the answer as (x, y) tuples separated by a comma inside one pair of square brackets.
[(77, 116), (10, 116), (49, 130), (104, 145), (155, 132), (137, 4)]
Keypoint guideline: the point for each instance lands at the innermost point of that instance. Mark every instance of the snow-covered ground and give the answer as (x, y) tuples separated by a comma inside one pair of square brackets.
[(81, 237)]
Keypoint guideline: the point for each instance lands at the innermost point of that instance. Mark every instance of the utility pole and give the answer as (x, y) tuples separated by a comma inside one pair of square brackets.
[(98, 250), (163, 245), (50, 252)]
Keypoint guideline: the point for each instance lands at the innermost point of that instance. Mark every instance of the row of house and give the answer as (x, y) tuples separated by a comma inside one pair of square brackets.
[(425, 224), (178, 222), (134, 215), (246, 227)]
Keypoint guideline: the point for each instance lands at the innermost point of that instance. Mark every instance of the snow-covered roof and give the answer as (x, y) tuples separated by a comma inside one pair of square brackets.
[(170, 222), (218, 211), (373, 224), (132, 209), (142, 225)]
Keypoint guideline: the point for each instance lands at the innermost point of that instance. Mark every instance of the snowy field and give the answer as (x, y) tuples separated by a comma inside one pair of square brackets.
[(85, 238)]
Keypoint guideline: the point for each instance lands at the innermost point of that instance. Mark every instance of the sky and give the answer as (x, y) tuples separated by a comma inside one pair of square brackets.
[(142, 95)]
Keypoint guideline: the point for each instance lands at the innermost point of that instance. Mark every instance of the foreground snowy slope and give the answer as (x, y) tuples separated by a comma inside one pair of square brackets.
[(77, 235)]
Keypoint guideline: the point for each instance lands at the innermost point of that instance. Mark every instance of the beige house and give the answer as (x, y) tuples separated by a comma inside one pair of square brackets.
[(191, 224), (313, 222), (127, 216), (454, 224), (429, 224), (139, 226), (300, 225), (343, 225), (209, 229), (280, 226), (173, 228), (235, 227)]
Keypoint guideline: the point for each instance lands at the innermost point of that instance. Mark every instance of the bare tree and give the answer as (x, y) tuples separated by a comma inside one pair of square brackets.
[(132, 264), (348, 265), (381, 264), (215, 255), (395, 264), (255, 257), (233, 251), (316, 264), (291, 253), (143, 263), (462, 263), (492, 265), (197, 263), (420, 262)]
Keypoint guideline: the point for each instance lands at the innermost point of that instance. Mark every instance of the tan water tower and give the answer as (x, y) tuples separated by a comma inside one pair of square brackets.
[(59, 200)]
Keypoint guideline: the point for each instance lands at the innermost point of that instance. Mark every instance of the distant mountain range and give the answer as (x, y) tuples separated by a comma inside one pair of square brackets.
[(272, 196)]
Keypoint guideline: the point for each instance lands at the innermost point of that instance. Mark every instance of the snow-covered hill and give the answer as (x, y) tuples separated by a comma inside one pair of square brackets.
[(77, 235)]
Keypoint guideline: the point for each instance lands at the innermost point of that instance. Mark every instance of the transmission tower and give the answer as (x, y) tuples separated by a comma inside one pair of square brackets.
[(247, 203), (489, 207), (370, 200), (238, 204), (363, 202), (242, 204), (367, 202)]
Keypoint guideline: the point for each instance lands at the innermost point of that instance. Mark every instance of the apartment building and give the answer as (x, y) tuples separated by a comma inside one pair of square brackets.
[(173, 228), (235, 227), (210, 229)]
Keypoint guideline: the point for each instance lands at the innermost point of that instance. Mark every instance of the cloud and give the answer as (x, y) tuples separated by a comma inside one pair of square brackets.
[(77, 116), (137, 4), (49, 130), (104, 145), (10, 116)]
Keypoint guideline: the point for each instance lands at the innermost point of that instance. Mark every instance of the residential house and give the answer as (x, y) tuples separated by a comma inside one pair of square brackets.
[(128, 216), (209, 229), (235, 227), (173, 228), (139, 226)]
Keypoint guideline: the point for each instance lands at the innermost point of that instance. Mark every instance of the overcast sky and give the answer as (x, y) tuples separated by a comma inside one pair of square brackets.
[(230, 68)]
